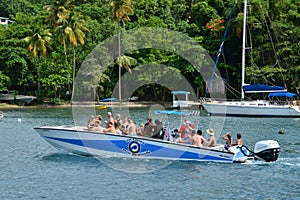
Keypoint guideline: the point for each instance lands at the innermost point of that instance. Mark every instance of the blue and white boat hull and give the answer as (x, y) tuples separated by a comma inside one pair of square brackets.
[(84, 142)]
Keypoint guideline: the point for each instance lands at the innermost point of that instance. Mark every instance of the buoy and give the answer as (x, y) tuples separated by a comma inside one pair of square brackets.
[(281, 132), (19, 120)]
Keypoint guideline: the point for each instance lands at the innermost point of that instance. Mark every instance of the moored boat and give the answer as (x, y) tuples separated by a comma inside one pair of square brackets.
[(77, 139), (12, 96), (253, 108)]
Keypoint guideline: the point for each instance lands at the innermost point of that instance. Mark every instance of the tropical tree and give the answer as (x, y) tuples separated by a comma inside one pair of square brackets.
[(4, 81), (72, 32), (39, 45), (58, 14), (120, 11)]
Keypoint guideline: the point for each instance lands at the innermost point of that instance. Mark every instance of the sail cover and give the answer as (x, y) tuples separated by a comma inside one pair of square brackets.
[(263, 88), (283, 94)]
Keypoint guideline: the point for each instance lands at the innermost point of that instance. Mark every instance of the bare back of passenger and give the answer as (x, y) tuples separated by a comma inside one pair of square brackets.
[(197, 140)]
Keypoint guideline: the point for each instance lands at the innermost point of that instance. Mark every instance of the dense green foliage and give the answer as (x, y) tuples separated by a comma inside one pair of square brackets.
[(60, 34)]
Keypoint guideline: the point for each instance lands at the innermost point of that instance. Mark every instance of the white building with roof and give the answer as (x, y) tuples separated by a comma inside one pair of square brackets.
[(5, 21)]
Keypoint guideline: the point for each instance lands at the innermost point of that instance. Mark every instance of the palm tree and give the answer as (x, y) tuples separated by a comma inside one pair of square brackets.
[(126, 62), (59, 12), (72, 32), (39, 43), (120, 11), (70, 27)]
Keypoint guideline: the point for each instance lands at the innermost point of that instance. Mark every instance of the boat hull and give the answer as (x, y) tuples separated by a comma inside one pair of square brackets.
[(251, 109), (83, 142), (22, 99)]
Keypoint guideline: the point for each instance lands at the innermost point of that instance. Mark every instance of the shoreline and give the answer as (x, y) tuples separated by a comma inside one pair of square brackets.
[(91, 104)]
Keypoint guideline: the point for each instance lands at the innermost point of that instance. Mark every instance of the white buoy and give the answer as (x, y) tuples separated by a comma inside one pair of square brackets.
[(19, 120)]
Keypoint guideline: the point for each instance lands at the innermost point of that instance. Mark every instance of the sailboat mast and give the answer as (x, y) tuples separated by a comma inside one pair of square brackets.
[(244, 49)]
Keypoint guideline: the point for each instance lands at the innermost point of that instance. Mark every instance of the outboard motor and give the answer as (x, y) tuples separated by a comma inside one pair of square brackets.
[(266, 150)]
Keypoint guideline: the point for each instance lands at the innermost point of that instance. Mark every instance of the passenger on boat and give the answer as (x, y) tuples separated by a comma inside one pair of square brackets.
[(203, 142), (97, 126), (182, 129), (118, 120), (123, 129), (148, 128), (157, 129), (125, 121), (118, 130), (131, 128), (140, 131), (194, 138), (110, 128), (227, 137), (239, 140), (212, 140), (189, 127), (110, 118), (91, 122)]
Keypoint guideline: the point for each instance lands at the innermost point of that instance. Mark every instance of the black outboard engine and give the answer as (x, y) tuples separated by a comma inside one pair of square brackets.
[(266, 150)]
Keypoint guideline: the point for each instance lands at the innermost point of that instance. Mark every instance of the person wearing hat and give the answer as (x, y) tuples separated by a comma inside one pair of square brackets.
[(212, 140)]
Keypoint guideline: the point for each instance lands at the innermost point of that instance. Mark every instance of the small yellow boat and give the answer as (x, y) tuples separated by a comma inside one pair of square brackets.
[(101, 107)]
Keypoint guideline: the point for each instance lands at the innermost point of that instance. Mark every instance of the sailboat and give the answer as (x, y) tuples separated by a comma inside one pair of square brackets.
[(255, 108)]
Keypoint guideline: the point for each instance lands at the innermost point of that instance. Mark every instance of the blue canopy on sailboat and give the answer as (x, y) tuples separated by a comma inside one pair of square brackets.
[(283, 94), (263, 88)]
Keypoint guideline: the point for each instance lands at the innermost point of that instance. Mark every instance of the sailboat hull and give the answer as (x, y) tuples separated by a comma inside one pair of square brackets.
[(251, 109)]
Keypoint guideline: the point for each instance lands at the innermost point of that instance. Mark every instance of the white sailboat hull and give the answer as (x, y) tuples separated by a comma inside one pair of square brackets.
[(251, 109)]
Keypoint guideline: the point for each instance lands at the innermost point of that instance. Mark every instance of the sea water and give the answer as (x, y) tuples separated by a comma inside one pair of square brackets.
[(33, 169)]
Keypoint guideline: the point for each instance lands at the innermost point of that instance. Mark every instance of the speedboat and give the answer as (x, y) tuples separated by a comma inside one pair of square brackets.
[(79, 140)]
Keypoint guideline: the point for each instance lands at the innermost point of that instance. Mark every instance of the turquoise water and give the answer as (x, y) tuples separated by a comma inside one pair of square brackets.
[(32, 169)]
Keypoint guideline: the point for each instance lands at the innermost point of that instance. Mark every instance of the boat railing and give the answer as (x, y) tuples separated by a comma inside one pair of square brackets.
[(270, 102), (205, 99)]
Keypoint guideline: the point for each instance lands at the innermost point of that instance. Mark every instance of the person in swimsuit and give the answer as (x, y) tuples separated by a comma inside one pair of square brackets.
[(227, 137), (91, 122), (239, 140), (131, 128), (97, 126), (110, 128), (196, 139), (212, 140)]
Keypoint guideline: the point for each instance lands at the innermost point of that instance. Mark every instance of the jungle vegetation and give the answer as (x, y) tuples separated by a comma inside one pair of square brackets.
[(41, 52)]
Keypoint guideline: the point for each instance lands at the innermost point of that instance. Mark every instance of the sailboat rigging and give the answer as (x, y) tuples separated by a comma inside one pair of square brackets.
[(254, 108)]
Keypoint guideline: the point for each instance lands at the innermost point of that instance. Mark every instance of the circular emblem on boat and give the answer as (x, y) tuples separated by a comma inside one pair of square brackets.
[(134, 147)]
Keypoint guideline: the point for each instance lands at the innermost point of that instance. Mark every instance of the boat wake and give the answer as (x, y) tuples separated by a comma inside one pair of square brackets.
[(294, 162)]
